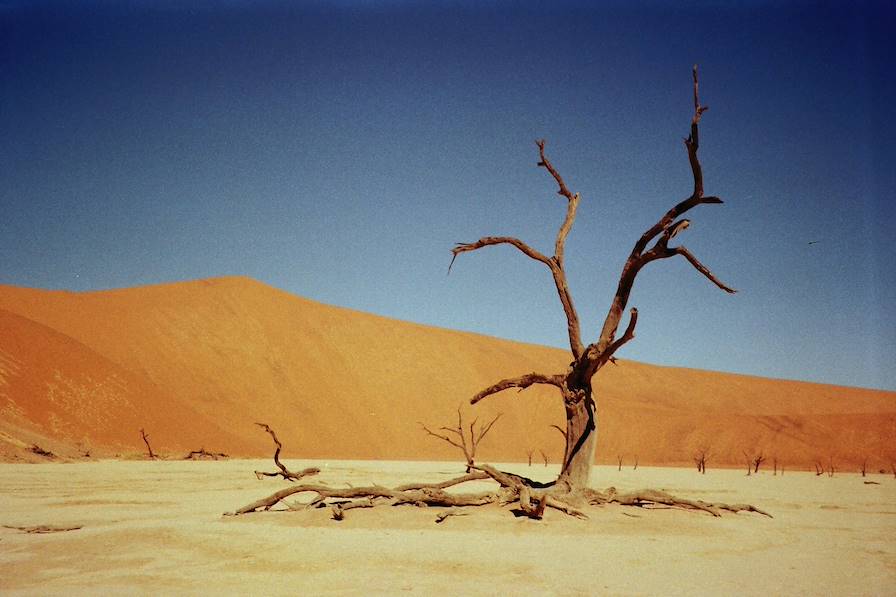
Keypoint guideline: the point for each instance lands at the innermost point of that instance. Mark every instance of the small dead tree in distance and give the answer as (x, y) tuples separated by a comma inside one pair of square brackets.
[(571, 489), (757, 461), (700, 460), (469, 449), (146, 441)]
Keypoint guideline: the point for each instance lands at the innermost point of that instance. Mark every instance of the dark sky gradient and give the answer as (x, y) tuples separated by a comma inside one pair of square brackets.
[(338, 150)]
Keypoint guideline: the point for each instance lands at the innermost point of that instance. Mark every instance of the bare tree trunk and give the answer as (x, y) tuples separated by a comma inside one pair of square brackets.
[(581, 443), (146, 441)]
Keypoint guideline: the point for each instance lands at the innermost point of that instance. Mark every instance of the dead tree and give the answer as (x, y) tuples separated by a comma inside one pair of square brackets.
[(864, 468), (636, 463), (460, 437), (619, 462), (529, 453), (544, 457), (283, 472), (758, 460), (819, 469), (700, 460), (574, 385), (830, 466), (146, 441)]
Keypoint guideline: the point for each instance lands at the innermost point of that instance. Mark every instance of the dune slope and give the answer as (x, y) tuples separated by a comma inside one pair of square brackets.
[(197, 363)]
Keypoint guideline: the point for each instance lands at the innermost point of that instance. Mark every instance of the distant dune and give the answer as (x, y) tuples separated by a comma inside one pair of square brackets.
[(197, 363)]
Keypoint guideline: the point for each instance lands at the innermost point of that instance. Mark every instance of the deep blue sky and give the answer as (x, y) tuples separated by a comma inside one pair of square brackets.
[(338, 150)]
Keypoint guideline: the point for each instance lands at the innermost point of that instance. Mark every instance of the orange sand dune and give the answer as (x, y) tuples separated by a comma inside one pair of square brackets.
[(196, 363)]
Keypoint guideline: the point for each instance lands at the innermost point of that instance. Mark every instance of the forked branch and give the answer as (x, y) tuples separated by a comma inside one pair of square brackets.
[(662, 232), (554, 263), (458, 432)]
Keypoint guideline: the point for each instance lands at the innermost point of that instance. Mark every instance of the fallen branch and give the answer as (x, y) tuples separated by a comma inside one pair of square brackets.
[(647, 497), (202, 454), (35, 449), (41, 529)]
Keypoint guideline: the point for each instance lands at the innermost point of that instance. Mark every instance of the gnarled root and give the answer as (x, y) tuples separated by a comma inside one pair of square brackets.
[(533, 497)]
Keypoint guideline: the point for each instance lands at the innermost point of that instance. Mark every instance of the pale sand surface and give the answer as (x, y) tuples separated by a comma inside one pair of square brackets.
[(156, 528)]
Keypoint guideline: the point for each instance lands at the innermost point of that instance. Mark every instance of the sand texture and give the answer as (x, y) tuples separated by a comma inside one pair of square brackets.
[(156, 528)]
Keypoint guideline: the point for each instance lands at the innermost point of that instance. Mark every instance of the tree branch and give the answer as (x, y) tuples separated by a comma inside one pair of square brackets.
[(702, 268), (555, 263), (497, 240), (669, 225), (557, 270), (617, 344), (522, 382), (445, 438), (545, 163)]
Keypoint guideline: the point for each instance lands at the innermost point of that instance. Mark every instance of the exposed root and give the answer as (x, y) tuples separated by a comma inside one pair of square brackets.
[(284, 472), (532, 497)]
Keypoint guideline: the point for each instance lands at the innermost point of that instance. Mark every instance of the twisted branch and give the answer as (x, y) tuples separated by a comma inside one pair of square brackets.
[(284, 472)]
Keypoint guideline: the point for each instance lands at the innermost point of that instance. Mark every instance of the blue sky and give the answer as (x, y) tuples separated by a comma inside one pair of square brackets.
[(338, 150)]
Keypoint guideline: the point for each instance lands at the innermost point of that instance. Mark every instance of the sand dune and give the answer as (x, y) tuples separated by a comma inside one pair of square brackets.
[(196, 363)]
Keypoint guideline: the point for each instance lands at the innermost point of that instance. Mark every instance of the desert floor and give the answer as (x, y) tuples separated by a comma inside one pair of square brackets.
[(157, 528)]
